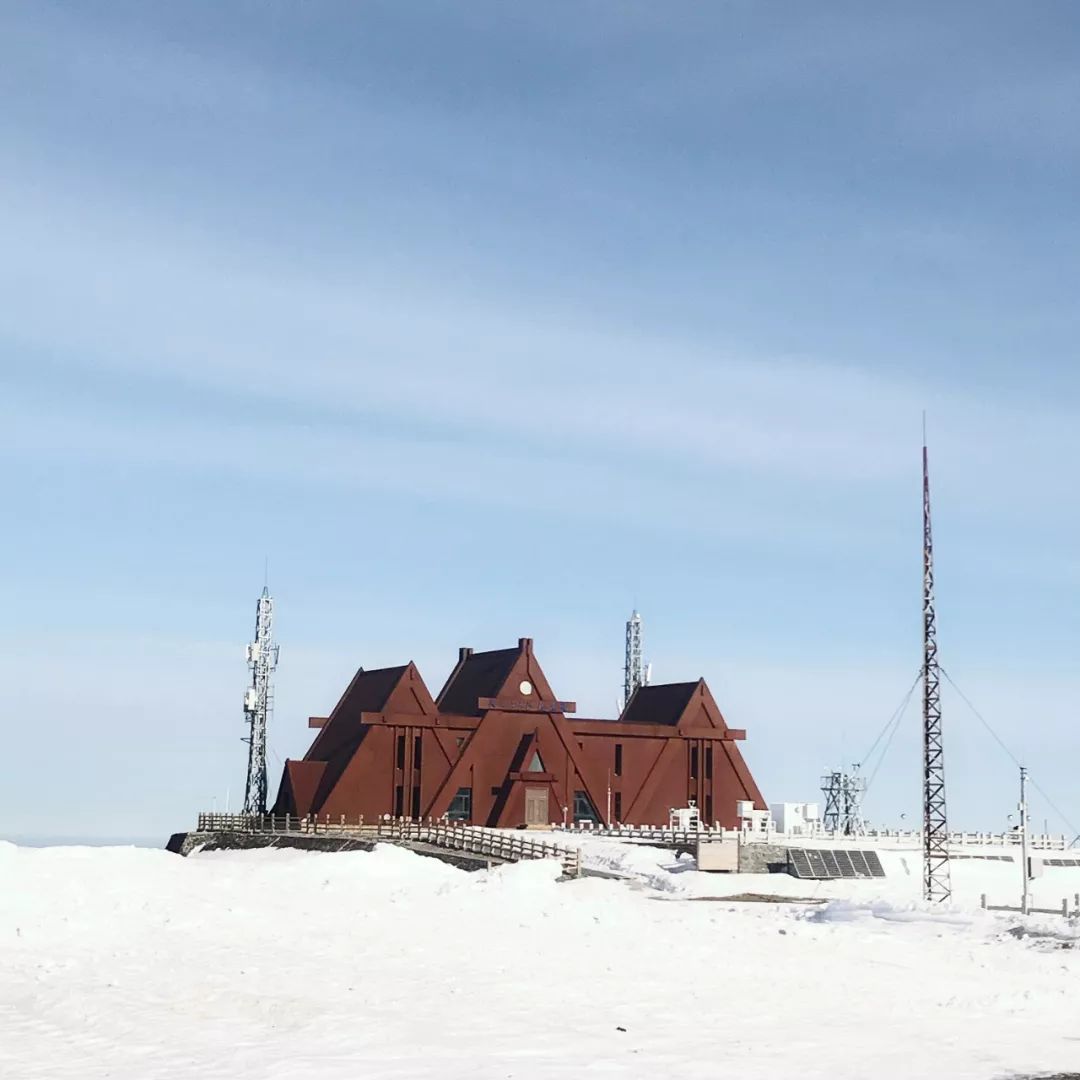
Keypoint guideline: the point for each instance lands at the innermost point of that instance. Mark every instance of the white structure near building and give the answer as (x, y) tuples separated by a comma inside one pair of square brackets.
[(796, 819)]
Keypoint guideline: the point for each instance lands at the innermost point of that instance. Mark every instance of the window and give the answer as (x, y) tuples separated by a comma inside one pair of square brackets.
[(399, 801), (459, 742), (618, 806), (400, 753), (693, 762), (416, 801), (417, 752), (461, 805), (708, 763), (535, 764), (708, 810), (618, 759), (584, 809)]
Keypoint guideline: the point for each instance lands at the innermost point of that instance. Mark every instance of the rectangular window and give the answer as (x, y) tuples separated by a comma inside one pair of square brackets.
[(400, 753), (416, 801), (417, 752), (399, 801), (708, 810), (708, 763), (618, 806), (461, 805), (618, 759), (584, 809), (693, 762)]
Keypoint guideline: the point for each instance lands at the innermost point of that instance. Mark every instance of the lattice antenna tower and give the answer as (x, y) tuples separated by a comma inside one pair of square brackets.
[(843, 793), (262, 658), (936, 882), (634, 668)]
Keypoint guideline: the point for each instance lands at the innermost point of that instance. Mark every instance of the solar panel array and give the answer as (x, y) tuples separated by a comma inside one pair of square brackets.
[(987, 858), (1061, 862), (823, 864)]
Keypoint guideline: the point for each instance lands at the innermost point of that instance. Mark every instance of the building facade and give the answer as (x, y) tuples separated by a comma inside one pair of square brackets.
[(498, 748)]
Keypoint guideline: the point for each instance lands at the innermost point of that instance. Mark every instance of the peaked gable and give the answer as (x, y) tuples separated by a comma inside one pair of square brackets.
[(662, 703), (477, 675), (399, 690), (369, 691)]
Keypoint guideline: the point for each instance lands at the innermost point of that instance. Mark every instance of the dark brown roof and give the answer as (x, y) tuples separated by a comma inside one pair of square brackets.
[(337, 742), (660, 704), (477, 675), (368, 692)]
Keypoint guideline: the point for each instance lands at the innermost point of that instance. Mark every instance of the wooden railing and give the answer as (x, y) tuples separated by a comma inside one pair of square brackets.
[(509, 845)]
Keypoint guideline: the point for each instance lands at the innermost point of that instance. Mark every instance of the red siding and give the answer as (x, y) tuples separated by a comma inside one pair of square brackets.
[(387, 748)]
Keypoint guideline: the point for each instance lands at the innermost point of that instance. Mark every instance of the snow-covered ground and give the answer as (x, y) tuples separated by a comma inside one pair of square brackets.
[(662, 870), (133, 964)]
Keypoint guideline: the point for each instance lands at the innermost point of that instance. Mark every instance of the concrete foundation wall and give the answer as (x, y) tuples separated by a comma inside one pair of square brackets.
[(186, 843)]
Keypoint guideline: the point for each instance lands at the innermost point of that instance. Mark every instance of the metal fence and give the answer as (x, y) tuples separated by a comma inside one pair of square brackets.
[(1065, 910), (661, 834)]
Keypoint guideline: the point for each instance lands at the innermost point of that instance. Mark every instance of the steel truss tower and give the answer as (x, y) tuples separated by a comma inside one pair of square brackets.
[(262, 658), (634, 669), (936, 883), (843, 793)]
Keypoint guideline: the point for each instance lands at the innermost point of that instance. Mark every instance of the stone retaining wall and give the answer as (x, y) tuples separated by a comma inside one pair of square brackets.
[(186, 843)]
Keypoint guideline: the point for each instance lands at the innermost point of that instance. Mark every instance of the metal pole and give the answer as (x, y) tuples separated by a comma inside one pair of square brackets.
[(1023, 840)]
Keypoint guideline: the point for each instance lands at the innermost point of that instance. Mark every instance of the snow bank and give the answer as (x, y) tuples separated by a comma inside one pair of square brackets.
[(281, 965)]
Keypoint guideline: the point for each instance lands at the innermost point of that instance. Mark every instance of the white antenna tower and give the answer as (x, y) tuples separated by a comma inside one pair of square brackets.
[(634, 673), (262, 658)]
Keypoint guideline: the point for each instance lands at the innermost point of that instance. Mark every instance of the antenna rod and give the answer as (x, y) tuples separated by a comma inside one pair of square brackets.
[(634, 668), (936, 881), (1025, 864), (262, 658)]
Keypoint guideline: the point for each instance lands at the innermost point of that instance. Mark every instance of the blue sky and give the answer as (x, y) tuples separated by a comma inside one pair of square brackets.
[(498, 319)]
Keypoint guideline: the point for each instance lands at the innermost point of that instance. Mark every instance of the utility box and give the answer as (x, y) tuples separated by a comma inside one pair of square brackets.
[(718, 856), (684, 819), (795, 819)]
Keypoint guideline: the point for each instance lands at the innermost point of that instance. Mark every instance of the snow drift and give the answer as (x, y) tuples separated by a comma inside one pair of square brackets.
[(133, 964)]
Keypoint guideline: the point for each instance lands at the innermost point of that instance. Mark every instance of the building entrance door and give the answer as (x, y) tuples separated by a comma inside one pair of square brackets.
[(536, 806)]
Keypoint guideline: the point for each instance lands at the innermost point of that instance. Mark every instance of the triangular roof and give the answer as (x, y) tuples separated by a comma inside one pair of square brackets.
[(477, 675), (663, 703), (369, 691)]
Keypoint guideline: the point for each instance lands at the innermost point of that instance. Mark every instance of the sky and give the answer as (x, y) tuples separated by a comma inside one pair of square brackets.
[(489, 320)]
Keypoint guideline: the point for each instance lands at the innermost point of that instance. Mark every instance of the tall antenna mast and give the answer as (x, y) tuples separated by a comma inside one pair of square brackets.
[(936, 884), (262, 658), (634, 670)]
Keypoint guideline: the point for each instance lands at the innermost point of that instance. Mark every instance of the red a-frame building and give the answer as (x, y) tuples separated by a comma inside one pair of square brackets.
[(498, 748)]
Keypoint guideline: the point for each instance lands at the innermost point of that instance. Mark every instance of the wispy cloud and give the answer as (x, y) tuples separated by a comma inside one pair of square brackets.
[(661, 299)]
